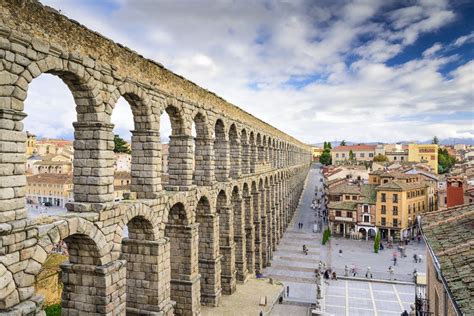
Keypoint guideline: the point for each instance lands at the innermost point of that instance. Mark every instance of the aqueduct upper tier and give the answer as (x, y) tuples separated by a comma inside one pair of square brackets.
[(232, 187)]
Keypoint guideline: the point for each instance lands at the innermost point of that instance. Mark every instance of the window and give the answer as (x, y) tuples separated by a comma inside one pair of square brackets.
[(409, 209), (401, 158), (343, 155), (337, 155), (384, 199), (395, 222), (382, 221), (384, 209), (362, 155), (349, 214), (366, 218), (371, 155), (354, 197), (347, 197), (395, 210), (338, 213), (395, 198), (395, 158), (366, 208)]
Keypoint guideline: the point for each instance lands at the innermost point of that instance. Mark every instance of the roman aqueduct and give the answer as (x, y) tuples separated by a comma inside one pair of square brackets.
[(231, 192)]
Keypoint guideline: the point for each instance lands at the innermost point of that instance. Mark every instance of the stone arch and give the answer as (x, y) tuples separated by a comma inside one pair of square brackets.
[(140, 104), (203, 151), (239, 234), (75, 232), (253, 152), (183, 238), (249, 229), (235, 152), (82, 85), (90, 117), (221, 151), (208, 254), (245, 152), (145, 142)]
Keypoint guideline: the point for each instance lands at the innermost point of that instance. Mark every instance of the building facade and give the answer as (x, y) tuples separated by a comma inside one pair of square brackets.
[(426, 153), (400, 199), (49, 189), (359, 152)]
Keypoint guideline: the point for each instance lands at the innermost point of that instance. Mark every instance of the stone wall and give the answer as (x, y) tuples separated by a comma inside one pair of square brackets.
[(190, 241)]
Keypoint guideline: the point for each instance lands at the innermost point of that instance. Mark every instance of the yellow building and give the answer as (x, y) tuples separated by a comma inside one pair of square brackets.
[(400, 199), (30, 144), (426, 153), (49, 189), (317, 152)]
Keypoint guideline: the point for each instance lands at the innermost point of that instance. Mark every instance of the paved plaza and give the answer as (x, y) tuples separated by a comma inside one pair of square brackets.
[(360, 254), (348, 297)]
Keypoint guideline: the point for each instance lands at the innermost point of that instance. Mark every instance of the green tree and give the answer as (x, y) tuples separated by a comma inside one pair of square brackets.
[(343, 143), (120, 145), (325, 157), (351, 155), (445, 161), (329, 145), (435, 140), (326, 235), (325, 145), (380, 158), (377, 242)]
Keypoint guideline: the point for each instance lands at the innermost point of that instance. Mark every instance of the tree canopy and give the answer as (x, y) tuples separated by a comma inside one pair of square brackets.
[(343, 143), (445, 161), (380, 158), (120, 145), (435, 140)]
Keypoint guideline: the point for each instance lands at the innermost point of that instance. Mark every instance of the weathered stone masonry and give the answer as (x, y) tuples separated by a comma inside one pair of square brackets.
[(232, 189)]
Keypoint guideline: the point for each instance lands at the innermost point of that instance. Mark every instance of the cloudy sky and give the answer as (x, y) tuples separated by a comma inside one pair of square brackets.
[(318, 70)]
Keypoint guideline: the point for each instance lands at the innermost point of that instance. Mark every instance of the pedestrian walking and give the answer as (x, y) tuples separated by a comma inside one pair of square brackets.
[(346, 270), (394, 261), (334, 276), (390, 271), (415, 258), (419, 238), (368, 273), (420, 257), (287, 291)]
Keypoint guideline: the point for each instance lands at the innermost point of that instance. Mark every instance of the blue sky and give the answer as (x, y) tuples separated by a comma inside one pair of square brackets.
[(368, 70)]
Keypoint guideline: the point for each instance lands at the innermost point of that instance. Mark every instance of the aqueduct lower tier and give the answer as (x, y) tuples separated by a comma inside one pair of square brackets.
[(231, 193)]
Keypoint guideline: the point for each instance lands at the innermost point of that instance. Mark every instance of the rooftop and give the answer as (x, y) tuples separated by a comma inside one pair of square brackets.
[(450, 236), (50, 178), (343, 205), (355, 147)]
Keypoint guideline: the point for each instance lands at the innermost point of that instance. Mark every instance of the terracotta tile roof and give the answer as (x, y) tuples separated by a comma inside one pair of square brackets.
[(368, 193), (343, 205), (401, 185), (345, 188), (355, 147), (50, 178), (450, 235)]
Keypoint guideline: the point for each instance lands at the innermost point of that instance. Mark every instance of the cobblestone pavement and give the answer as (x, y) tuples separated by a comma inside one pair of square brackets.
[(347, 297)]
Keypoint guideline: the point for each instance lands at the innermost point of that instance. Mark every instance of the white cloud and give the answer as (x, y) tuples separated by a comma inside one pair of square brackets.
[(231, 47)]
